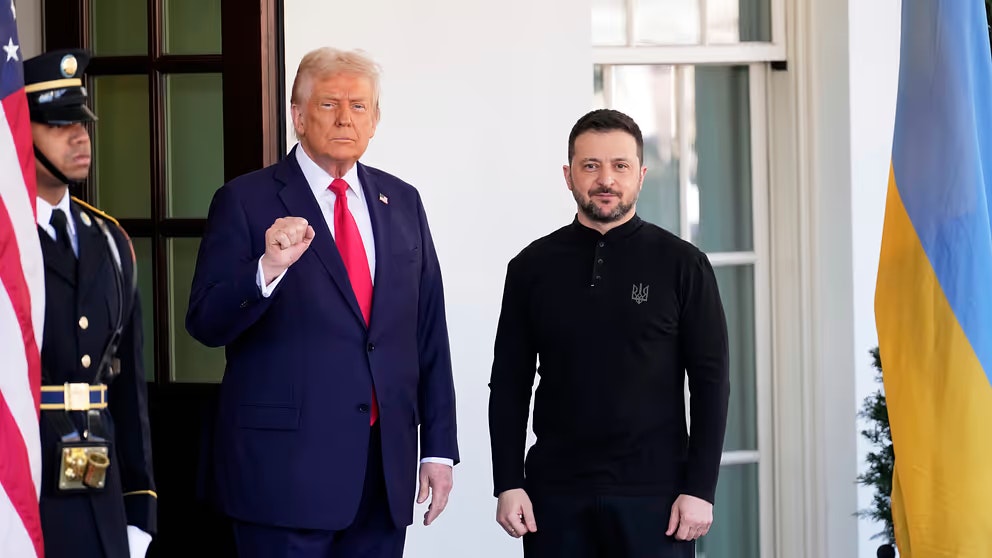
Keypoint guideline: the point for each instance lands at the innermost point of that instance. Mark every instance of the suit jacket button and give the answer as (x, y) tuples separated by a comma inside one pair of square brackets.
[(84, 322), (85, 361), (244, 303), (363, 408), (371, 347)]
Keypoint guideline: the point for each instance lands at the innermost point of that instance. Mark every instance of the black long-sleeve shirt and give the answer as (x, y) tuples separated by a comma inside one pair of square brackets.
[(616, 321)]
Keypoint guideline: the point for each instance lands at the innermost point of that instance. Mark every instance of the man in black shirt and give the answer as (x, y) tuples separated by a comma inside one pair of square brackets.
[(618, 311)]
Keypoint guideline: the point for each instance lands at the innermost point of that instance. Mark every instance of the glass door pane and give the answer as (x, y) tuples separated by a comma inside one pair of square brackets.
[(191, 361), (191, 27), (734, 533), (194, 115), (736, 285), (609, 22), (666, 22), (720, 211), (737, 21), (120, 27), (121, 169), (143, 257), (648, 95)]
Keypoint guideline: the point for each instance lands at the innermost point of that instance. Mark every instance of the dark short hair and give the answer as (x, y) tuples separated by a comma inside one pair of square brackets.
[(606, 120)]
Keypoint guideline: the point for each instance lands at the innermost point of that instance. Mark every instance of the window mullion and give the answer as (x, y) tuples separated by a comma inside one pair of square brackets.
[(703, 26), (758, 116), (681, 133), (739, 457), (608, 85), (631, 16), (724, 55), (724, 259)]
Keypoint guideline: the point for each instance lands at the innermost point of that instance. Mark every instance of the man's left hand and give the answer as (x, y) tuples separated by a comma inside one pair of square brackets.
[(691, 518), (435, 478)]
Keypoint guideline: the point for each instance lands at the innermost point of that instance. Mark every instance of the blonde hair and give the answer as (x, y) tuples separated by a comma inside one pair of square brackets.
[(327, 61)]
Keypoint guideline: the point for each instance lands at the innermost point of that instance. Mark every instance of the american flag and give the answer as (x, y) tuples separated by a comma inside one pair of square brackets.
[(22, 309)]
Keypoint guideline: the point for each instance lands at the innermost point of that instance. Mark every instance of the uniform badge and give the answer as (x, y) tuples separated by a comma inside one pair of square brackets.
[(85, 219), (68, 66), (83, 466)]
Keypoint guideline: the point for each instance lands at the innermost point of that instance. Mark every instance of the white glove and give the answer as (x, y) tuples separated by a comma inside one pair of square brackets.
[(138, 541)]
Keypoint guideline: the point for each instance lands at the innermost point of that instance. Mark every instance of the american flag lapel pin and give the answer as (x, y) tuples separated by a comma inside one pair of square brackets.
[(383, 198)]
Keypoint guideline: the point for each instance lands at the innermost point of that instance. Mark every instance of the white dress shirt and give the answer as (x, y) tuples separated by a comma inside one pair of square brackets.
[(319, 181), (45, 209), (137, 540)]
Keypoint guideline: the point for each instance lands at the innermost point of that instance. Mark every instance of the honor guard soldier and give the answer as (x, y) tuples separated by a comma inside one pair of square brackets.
[(97, 492)]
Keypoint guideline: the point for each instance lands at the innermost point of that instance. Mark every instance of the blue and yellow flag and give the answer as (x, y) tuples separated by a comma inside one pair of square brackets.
[(933, 299)]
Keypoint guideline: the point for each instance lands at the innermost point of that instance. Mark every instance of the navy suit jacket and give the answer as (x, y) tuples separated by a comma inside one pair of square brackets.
[(292, 431)]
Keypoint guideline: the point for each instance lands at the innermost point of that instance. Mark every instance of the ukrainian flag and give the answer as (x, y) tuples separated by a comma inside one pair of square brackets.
[(933, 300)]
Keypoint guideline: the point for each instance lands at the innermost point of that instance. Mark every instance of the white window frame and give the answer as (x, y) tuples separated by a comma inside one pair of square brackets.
[(759, 256), (702, 53)]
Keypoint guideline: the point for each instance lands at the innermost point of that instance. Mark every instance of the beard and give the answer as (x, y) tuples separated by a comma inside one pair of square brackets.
[(601, 214)]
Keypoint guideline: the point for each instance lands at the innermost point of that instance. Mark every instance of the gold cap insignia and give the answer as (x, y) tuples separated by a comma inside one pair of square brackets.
[(69, 66)]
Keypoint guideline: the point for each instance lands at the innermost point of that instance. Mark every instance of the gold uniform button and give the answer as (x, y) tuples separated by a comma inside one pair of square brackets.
[(84, 322), (86, 361)]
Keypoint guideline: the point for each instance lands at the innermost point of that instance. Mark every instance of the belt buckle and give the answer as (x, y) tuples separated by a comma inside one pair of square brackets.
[(77, 397)]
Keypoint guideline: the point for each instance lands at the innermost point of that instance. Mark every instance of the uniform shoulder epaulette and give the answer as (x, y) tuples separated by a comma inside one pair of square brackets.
[(98, 214), (103, 214), (97, 211)]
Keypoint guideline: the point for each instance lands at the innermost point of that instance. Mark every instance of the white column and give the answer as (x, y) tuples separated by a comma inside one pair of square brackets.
[(813, 359)]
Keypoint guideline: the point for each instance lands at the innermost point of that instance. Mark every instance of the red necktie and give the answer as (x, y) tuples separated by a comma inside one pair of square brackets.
[(356, 261)]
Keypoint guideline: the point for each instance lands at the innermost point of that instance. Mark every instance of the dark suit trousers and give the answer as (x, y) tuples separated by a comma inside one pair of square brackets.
[(591, 526), (371, 535)]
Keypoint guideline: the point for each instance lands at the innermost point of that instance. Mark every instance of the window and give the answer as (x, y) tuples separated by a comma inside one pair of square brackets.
[(186, 98), (692, 74)]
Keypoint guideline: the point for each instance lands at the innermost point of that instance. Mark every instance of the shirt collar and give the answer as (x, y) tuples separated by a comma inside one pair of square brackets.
[(45, 209), (623, 231), (319, 180)]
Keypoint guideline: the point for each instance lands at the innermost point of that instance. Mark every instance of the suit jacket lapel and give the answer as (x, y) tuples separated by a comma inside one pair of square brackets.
[(62, 266), (299, 200), (381, 230)]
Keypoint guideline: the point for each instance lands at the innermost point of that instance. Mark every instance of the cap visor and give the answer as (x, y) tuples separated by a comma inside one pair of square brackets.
[(60, 116)]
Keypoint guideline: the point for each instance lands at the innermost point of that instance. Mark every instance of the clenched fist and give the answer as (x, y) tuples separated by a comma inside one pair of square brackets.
[(285, 242)]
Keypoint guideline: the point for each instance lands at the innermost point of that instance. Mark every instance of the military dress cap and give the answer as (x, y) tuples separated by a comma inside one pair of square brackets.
[(53, 82)]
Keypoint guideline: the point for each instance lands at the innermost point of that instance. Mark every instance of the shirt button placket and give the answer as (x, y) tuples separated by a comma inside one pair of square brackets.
[(597, 266)]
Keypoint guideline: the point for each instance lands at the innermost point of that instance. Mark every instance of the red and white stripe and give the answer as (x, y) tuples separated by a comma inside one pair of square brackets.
[(22, 313)]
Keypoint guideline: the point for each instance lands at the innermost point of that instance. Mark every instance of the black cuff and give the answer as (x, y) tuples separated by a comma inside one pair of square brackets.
[(141, 508)]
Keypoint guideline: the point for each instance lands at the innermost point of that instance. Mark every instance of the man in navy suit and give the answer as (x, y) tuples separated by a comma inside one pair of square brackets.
[(319, 276)]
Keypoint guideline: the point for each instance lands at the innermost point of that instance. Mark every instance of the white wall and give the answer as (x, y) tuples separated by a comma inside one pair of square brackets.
[(29, 27), (478, 99), (874, 40)]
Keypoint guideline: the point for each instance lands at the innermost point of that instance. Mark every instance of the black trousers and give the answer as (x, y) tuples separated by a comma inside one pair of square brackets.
[(597, 526)]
